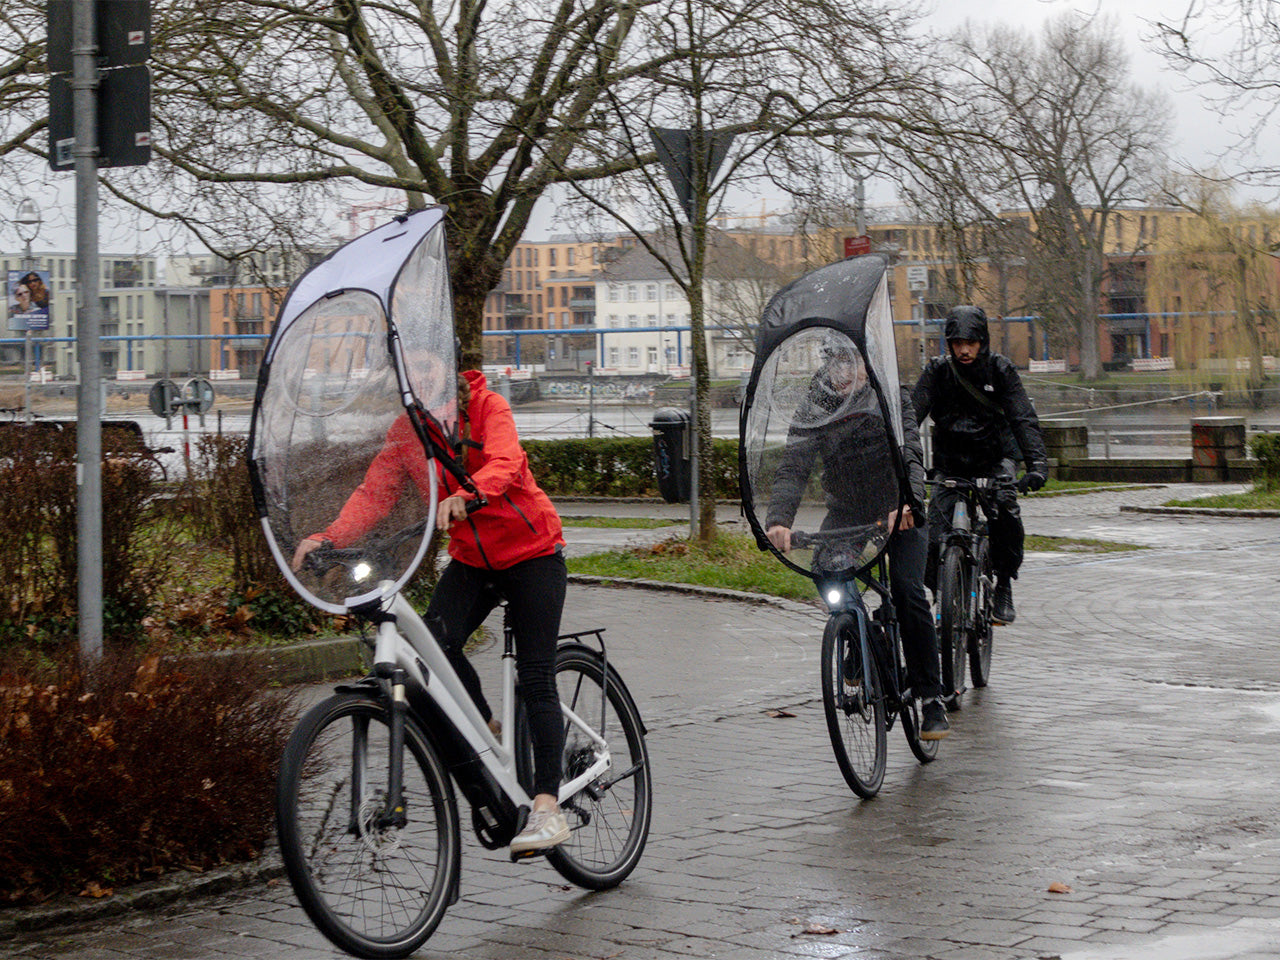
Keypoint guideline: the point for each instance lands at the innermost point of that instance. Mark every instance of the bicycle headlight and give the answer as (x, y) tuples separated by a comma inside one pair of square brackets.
[(835, 597), (361, 571)]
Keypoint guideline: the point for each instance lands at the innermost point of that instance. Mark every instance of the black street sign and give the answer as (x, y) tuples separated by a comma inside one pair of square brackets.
[(675, 151), (124, 119), (122, 28)]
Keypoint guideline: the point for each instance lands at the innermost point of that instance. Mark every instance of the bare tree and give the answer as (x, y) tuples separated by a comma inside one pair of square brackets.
[(1231, 47), (786, 81), (1053, 127)]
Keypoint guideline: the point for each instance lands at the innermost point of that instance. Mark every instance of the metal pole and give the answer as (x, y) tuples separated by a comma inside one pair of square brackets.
[(591, 400), (26, 348), (84, 86)]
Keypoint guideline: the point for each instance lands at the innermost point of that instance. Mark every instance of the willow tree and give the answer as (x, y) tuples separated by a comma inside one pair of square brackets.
[(1219, 275)]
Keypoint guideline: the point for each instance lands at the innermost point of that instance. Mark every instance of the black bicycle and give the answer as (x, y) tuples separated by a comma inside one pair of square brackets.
[(967, 584), (864, 671)]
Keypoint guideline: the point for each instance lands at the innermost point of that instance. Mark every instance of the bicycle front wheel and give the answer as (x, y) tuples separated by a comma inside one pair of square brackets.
[(981, 636), (609, 817), (954, 598), (853, 701), (375, 889)]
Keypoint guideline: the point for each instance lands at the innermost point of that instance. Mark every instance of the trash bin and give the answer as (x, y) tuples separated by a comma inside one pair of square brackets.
[(670, 427)]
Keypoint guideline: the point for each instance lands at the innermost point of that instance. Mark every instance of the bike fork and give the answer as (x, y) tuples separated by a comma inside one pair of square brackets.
[(393, 812)]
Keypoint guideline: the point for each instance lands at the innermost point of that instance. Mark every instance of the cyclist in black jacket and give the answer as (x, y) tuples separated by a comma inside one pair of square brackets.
[(854, 451), (983, 421)]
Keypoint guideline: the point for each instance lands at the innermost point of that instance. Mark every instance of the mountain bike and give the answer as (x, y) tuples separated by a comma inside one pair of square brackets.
[(864, 671), (366, 810), (966, 585)]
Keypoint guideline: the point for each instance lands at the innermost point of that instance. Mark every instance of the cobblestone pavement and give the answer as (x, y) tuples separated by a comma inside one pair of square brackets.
[(1126, 750)]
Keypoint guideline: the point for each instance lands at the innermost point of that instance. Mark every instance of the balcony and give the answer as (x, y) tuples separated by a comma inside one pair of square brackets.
[(585, 303)]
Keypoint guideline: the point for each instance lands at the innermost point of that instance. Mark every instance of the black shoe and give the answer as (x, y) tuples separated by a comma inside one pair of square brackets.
[(933, 723), (1002, 603)]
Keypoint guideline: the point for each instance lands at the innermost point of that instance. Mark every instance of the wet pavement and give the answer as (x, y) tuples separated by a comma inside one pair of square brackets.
[(1125, 754)]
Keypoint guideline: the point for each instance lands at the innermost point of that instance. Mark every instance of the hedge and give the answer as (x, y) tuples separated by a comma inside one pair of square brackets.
[(617, 467)]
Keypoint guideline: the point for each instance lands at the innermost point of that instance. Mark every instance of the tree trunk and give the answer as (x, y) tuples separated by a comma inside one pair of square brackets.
[(702, 389)]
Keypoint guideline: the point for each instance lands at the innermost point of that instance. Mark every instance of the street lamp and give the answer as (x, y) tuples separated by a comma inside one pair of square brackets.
[(860, 146), (27, 221)]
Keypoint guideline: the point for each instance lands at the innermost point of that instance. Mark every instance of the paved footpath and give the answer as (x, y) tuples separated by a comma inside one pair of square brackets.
[(1126, 752)]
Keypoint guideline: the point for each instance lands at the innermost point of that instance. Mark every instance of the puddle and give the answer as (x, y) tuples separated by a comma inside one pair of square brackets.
[(1248, 939)]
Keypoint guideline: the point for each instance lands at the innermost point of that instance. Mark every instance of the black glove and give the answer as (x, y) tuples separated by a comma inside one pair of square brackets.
[(1035, 478)]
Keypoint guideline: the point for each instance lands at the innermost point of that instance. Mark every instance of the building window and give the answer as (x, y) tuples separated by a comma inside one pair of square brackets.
[(653, 356), (613, 356), (570, 256), (633, 320), (651, 320), (651, 291), (551, 257), (633, 356), (613, 293), (631, 293)]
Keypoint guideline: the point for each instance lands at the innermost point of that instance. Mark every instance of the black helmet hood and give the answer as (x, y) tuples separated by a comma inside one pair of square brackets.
[(966, 322)]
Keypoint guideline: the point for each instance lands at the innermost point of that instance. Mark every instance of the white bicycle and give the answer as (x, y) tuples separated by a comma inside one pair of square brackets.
[(367, 815)]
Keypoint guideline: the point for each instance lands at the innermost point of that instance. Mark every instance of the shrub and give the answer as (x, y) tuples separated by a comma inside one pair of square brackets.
[(1266, 450), (216, 501), (136, 768), (38, 512)]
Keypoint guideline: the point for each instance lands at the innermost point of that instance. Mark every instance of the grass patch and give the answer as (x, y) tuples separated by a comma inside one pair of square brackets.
[(618, 523), (1248, 500), (1076, 545), (731, 561), (1061, 488)]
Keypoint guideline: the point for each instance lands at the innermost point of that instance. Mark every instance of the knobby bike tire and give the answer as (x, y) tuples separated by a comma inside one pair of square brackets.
[(375, 891), (953, 635), (853, 701), (982, 635), (609, 818)]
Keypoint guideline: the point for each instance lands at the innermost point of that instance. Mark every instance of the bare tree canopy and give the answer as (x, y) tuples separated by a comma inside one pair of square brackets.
[(1231, 48), (1053, 126)]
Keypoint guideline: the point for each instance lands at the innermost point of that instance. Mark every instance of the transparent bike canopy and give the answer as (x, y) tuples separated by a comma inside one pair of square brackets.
[(821, 424), (359, 372)]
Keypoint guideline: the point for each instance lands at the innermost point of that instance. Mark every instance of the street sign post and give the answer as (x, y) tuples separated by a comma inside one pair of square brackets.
[(857, 246)]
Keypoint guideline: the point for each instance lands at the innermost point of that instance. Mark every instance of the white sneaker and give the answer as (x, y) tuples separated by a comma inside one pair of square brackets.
[(545, 828)]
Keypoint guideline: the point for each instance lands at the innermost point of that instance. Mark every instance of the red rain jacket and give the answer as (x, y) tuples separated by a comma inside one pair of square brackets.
[(518, 522)]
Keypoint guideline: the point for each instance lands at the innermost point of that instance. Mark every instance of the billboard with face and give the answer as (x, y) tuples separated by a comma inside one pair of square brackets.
[(28, 293)]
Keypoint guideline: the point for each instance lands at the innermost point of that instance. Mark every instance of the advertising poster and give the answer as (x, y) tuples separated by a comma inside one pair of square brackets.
[(28, 297)]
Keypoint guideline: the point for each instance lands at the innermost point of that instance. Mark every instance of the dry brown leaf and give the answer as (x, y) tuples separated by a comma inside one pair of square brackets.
[(93, 890), (1059, 887), (815, 930), (776, 714)]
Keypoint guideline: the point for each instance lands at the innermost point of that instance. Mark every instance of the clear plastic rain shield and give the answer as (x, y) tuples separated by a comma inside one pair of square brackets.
[(821, 424), (356, 400)]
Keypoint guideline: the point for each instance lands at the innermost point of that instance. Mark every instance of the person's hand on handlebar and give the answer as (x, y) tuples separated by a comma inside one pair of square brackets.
[(906, 521), (1035, 478), (780, 537), (304, 548), (450, 510)]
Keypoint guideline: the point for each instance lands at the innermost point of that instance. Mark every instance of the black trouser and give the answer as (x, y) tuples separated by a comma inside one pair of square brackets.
[(1004, 528), (534, 590), (908, 551)]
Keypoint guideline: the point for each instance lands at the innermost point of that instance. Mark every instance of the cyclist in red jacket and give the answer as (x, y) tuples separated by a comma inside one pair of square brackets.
[(514, 544)]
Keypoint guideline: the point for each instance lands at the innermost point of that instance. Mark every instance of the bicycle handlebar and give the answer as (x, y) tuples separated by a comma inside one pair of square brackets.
[(800, 539), (976, 484)]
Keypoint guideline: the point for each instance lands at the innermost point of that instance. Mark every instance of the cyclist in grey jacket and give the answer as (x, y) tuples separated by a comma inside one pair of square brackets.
[(983, 421), (854, 451)]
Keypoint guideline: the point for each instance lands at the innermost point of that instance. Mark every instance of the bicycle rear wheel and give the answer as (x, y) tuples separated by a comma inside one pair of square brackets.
[(853, 701), (375, 890), (982, 634), (954, 597), (609, 817)]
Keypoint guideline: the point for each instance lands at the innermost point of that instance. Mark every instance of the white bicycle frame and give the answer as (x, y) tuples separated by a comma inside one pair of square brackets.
[(406, 642)]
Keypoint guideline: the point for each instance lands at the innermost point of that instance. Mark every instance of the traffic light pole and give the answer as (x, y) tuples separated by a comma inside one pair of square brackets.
[(84, 86)]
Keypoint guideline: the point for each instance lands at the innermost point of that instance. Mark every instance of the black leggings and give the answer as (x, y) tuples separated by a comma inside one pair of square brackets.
[(534, 590)]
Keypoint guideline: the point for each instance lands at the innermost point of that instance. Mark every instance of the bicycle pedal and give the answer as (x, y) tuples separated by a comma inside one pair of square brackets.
[(529, 854)]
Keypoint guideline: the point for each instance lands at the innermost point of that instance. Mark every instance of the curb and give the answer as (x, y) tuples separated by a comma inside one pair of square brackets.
[(1200, 511), (150, 895)]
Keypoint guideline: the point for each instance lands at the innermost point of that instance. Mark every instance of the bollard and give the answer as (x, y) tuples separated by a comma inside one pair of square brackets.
[(1214, 442)]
